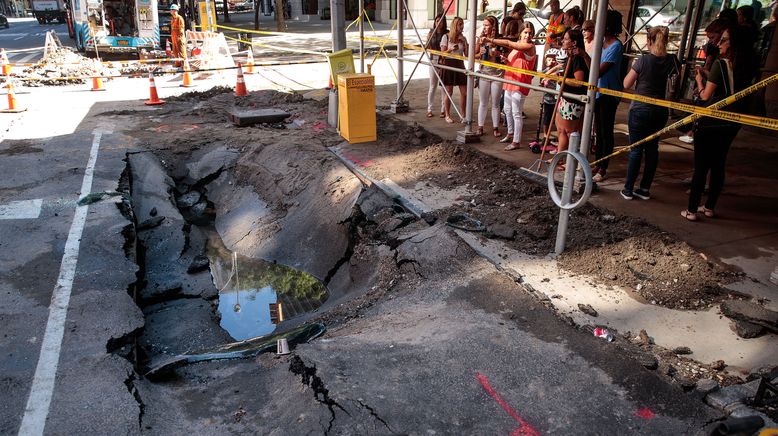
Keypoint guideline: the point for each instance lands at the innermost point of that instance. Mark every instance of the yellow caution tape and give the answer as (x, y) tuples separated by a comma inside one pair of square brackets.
[(727, 101), (713, 112), (293, 50)]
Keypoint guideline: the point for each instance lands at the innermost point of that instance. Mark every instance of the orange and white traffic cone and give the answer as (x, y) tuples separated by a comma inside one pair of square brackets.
[(187, 81), (97, 82), (5, 63), (250, 63), (12, 107), (168, 49), (240, 87), (153, 97)]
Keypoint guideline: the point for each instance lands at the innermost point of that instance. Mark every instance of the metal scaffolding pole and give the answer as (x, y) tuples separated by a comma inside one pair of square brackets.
[(361, 36), (594, 74), (399, 104), (687, 24), (468, 135)]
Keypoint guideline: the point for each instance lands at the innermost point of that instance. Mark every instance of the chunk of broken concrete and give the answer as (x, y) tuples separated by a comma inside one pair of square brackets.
[(752, 313), (648, 361), (151, 223), (587, 309), (244, 118), (199, 263), (682, 350), (502, 231), (747, 330), (706, 386), (189, 199)]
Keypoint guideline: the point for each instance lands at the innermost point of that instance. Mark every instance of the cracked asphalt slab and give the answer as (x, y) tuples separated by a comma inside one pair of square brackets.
[(437, 340)]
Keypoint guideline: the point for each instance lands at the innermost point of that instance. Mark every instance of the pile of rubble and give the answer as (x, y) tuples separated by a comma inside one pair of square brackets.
[(63, 66)]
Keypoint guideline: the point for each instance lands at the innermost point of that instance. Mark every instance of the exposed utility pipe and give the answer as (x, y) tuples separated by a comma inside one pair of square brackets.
[(594, 74)]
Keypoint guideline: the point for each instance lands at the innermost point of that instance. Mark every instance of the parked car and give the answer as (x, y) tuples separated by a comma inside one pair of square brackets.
[(245, 5), (652, 17), (539, 20), (4, 21)]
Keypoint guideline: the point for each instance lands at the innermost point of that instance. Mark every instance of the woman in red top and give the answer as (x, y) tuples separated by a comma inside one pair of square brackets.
[(522, 56)]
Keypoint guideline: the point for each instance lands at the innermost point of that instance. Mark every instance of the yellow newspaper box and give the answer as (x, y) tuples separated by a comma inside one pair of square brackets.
[(356, 107)]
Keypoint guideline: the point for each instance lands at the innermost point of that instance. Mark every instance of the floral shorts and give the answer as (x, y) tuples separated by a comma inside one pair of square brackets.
[(570, 111)]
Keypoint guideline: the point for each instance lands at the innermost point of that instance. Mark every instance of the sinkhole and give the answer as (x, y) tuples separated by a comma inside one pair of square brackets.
[(255, 296)]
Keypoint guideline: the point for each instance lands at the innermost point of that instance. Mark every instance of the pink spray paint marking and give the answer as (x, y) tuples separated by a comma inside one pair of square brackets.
[(352, 158), (524, 428), (645, 413), (318, 126)]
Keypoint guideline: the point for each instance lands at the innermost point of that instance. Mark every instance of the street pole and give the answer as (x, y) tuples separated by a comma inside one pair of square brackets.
[(586, 138), (399, 105), (361, 36), (468, 135), (338, 27)]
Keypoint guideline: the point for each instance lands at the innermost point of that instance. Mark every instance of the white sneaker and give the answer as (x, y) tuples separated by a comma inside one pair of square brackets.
[(687, 139)]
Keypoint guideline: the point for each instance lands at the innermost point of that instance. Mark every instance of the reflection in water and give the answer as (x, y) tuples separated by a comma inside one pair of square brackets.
[(254, 295)]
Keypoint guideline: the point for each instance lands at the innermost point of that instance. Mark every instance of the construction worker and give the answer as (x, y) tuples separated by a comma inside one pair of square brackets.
[(177, 38)]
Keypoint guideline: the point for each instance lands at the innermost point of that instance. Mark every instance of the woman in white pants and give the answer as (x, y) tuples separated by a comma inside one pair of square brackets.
[(433, 43), (522, 56), (489, 90)]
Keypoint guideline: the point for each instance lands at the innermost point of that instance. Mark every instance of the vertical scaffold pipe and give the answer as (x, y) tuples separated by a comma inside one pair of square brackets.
[(471, 67)]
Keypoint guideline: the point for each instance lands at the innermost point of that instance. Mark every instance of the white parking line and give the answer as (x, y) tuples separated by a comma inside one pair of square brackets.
[(20, 210), (20, 37), (38, 403)]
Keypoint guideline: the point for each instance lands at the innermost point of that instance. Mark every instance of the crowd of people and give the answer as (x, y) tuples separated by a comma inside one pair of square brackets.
[(731, 64)]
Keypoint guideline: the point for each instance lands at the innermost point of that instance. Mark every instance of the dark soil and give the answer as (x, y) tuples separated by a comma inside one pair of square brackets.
[(614, 249)]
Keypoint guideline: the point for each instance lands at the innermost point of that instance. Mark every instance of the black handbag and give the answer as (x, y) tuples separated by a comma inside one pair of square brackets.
[(716, 123)]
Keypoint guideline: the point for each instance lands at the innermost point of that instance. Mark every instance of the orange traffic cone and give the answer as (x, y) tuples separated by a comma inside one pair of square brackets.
[(187, 81), (12, 108), (97, 82), (153, 97), (240, 88), (168, 49), (6, 64), (250, 63)]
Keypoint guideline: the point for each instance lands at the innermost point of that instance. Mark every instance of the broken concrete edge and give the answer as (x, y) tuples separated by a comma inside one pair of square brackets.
[(732, 401), (401, 196), (387, 186)]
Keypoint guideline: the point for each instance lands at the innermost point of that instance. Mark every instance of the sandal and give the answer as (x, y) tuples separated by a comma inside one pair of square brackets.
[(480, 131), (705, 211), (507, 138), (442, 115), (691, 216), (449, 120), (496, 132), (512, 146), (429, 114)]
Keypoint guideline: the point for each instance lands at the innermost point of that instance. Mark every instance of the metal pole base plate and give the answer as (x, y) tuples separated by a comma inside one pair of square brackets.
[(464, 137), (399, 107)]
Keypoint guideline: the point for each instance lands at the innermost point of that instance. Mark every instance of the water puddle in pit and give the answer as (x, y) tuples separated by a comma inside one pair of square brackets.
[(255, 295)]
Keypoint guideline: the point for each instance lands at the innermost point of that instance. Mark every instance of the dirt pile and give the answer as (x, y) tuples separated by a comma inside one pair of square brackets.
[(614, 249)]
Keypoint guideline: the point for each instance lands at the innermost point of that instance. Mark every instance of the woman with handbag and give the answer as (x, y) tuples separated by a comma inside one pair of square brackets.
[(489, 90), (652, 73), (713, 137), (454, 43), (433, 43)]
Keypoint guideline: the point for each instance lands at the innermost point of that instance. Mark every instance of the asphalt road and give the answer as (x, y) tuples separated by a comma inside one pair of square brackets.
[(23, 41)]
